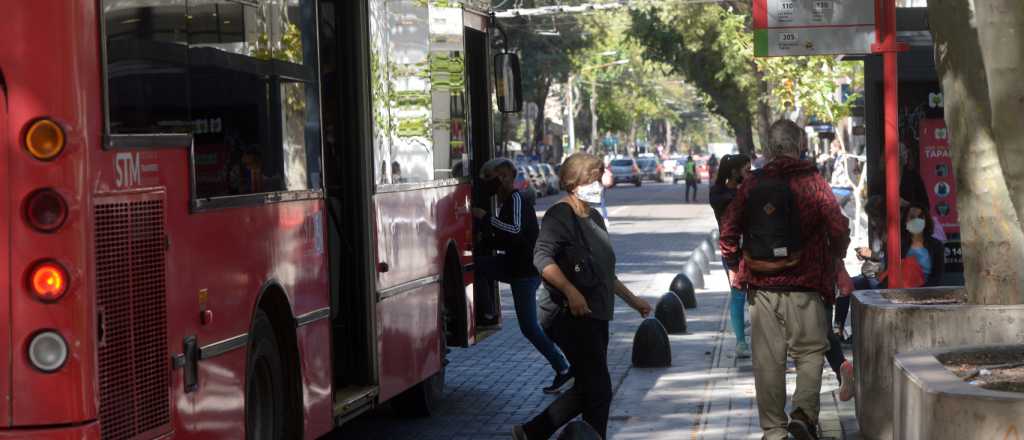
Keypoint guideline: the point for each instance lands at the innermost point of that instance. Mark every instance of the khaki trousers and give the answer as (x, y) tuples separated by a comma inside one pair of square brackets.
[(784, 323)]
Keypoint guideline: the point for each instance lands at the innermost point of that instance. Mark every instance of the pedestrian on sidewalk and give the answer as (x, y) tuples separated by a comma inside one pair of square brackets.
[(734, 168), (575, 257), (607, 181), (512, 234), (690, 174), (792, 233)]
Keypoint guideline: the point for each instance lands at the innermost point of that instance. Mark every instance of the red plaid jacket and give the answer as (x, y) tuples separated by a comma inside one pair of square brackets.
[(824, 230)]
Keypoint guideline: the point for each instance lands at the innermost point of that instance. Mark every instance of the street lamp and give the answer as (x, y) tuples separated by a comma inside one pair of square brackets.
[(593, 101)]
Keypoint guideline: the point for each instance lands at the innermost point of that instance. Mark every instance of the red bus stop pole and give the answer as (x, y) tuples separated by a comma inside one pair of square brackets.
[(886, 44)]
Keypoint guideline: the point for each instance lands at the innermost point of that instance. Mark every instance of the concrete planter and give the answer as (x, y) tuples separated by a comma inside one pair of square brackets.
[(884, 327), (933, 404)]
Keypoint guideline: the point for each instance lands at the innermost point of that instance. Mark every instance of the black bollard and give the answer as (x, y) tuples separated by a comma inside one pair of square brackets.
[(683, 288), (670, 313), (695, 274), (579, 430), (708, 248), (650, 345), (698, 256)]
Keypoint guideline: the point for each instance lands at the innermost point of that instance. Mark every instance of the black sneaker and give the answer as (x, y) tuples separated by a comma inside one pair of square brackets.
[(561, 380), (801, 426)]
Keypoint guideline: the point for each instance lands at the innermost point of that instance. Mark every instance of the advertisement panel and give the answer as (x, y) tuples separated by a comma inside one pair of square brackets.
[(936, 168)]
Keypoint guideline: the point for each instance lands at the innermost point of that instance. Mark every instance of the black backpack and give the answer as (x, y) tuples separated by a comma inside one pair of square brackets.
[(771, 226)]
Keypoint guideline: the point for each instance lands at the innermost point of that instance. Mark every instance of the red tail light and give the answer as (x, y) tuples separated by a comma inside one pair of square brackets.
[(48, 281), (45, 210)]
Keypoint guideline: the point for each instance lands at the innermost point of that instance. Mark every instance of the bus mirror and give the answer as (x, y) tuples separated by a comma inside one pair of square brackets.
[(507, 83)]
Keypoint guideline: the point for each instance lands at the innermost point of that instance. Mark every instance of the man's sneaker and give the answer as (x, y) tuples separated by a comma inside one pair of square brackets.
[(801, 426), (846, 388), (518, 433), (561, 380), (742, 350)]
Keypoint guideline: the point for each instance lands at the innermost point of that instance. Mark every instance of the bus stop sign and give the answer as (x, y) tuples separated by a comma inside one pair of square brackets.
[(813, 27)]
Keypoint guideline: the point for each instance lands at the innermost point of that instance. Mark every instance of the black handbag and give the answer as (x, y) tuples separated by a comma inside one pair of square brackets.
[(577, 264)]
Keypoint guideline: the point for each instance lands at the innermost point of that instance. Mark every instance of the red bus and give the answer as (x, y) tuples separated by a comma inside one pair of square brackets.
[(231, 218)]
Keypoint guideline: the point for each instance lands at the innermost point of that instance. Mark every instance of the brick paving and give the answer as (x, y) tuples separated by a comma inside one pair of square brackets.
[(705, 394)]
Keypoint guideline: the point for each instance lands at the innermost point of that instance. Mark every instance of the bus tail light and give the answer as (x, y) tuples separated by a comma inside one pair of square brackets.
[(44, 139), (48, 351), (45, 210), (48, 281)]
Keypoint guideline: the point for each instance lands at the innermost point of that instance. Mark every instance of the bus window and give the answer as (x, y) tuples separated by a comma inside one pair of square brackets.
[(253, 99), (145, 46), (401, 93), (448, 90)]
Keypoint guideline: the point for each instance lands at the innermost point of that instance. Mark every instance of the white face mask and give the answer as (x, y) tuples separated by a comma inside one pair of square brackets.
[(915, 226), (590, 193)]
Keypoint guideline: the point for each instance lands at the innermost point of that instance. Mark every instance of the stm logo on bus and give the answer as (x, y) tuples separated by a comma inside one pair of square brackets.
[(127, 169), (136, 169)]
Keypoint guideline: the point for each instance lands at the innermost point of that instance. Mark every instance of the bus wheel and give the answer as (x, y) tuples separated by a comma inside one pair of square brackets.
[(264, 383), (422, 399)]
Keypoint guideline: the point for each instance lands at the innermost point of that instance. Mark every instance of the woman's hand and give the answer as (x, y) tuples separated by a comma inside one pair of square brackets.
[(578, 305), (863, 253), (642, 306)]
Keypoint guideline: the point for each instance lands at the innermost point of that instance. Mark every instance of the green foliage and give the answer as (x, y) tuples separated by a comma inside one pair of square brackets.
[(706, 44), (712, 46), (810, 83)]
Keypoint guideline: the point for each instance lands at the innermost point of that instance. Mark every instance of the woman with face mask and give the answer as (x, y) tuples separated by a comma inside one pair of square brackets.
[(575, 257)]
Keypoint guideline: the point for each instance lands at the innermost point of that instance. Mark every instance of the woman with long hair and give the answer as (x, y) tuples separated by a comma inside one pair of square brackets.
[(732, 169)]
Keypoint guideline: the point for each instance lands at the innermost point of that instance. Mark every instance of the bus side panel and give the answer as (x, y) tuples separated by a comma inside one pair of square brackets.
[(57, 83), (408, 290), (315, 359), (408, 339), (7, 145)]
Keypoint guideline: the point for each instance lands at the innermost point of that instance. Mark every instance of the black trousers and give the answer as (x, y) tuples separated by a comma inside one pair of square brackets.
[(691, 184), (585, 343), (834, 355)]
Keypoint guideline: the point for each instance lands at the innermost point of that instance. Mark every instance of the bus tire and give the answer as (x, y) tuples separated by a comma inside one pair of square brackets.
[(264, 383)]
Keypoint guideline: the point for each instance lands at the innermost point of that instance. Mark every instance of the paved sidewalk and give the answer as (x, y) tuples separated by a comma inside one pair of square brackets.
[(708, 393)]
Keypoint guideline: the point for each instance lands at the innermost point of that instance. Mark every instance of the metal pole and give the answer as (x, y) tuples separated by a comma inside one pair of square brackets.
[(571, 119), (885, 34)]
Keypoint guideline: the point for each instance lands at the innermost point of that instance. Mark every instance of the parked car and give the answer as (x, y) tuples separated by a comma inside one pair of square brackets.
[(671, 163), (650, 168), (625, 170), (679, 172), (523, 183), (552, 177)]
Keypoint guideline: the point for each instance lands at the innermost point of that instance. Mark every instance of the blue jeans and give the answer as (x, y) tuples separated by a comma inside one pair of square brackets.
[(737, 308), (604, 210), (524, 296)]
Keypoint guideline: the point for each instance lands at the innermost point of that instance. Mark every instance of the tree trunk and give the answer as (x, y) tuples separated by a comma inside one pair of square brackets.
[(1000, 24), (631, 140), (540, 128), (744, 137), (992, 240)]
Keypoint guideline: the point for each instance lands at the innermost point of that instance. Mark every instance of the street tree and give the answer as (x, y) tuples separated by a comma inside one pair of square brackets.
[(979, 53)]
